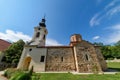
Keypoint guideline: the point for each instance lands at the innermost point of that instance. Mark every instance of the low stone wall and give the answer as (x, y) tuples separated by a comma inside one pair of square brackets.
[(115, 60), (4, 66)]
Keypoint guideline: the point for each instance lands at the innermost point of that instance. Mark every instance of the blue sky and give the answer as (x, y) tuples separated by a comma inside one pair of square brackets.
[(95, 20)]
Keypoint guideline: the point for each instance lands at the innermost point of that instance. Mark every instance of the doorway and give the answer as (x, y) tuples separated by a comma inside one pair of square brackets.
[(27, 63)]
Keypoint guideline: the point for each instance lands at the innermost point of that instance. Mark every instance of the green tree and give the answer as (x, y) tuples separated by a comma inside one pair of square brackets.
[(117, 49), (117, 44), (13, 53), (98, 44), (107, 52)]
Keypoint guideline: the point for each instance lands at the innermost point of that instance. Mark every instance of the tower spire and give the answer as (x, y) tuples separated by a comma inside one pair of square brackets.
[(42, 23), (40, 33), (44, 16)]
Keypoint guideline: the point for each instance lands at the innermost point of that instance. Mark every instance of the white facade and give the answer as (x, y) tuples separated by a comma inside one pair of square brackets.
[(32, 55)]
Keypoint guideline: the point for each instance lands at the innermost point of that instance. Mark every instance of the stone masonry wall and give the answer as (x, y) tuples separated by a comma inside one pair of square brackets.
[(101, 58), (87, 58), (60, 59)]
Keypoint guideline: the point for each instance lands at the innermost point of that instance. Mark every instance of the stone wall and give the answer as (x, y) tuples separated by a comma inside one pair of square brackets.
[(87, 57), (60, 59), (101, 58), (4, 66)]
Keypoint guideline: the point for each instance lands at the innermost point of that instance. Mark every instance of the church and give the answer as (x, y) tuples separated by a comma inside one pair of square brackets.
[(79, 56)]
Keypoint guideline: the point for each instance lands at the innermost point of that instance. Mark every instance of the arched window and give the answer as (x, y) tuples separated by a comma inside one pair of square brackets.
[(38, 34), (86, 57), (39, 28), (61, 59), (44, 37)]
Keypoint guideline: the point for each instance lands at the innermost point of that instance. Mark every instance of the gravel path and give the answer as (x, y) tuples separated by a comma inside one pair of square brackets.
[(2, 77)]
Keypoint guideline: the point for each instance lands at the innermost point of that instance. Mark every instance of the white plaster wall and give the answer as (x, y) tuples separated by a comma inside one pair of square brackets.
[(22, 58), (35, 55)]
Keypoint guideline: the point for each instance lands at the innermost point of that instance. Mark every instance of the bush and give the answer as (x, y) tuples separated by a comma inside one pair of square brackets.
[(10, 72), (15, 76), (21, 76), (36, 77)]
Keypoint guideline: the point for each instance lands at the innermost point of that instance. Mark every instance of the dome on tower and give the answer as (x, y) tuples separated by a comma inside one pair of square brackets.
[(42, 23)]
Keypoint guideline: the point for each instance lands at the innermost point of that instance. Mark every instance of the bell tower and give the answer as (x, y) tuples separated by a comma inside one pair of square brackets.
[(40, 33), (76, 38)]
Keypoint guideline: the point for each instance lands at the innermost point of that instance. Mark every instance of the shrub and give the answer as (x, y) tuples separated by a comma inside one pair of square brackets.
[(22, 76), (15, 76), (10, 72), (36, 77)]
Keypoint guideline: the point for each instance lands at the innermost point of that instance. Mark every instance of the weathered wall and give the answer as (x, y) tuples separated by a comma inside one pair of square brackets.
[(86, 57), (101, 58), (60, 59)]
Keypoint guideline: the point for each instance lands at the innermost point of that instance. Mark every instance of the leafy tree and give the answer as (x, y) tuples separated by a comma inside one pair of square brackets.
[(106, 51), (13, 53), (98, 44), (117, 44)]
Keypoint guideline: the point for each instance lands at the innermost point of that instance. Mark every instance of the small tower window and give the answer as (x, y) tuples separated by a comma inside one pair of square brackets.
[(42, 58), (39, 28), (38, 34), (30, 49), (61, 59), (44, 37)]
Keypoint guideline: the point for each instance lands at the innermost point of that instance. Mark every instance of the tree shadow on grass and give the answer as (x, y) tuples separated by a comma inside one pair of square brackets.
[(113, 69)]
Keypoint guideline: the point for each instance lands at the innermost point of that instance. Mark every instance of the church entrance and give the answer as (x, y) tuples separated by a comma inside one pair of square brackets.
[(27, 63)]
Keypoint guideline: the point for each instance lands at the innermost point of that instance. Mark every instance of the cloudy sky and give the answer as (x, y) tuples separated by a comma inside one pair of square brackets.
[(95, 20)]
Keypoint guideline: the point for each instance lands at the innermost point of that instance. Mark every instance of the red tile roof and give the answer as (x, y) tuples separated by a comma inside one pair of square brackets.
[(4, 45)]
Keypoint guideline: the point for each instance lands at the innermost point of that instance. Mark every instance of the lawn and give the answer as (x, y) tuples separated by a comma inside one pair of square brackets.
[(69, 76), (114, 65)]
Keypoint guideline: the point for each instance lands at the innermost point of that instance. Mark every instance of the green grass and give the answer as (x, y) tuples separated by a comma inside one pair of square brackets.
[(69, 76), (114, 65)]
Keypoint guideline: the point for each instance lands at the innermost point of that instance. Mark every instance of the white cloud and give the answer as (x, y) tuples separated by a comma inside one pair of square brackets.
[(96, 37), (52, 42), (113, 11), (110, 10), (114, 36), (93, 21), (96, 19), (14, 36), (111, 4), (116, 27)]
